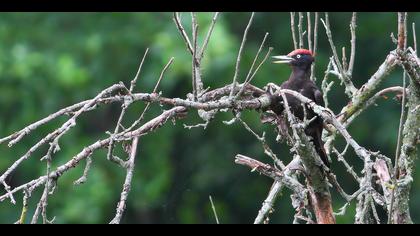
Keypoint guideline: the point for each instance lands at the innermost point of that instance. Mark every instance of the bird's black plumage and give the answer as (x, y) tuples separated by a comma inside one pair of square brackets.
[(300, 60)]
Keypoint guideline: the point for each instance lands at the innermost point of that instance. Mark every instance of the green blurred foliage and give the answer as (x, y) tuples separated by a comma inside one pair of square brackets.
[(51, 60)]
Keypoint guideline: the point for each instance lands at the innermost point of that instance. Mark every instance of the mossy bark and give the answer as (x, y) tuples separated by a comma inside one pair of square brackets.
[(401, 211)]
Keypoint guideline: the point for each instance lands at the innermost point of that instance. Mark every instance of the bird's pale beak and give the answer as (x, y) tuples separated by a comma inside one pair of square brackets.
[(282, 59)]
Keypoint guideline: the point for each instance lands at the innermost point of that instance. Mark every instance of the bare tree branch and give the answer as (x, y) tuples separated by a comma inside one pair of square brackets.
[(144, 129)]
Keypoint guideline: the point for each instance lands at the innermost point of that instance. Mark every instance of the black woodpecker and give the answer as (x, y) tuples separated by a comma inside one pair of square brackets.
[(300, 60)]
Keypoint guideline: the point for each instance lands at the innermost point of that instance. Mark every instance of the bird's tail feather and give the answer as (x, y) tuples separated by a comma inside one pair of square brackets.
[(319, 146)]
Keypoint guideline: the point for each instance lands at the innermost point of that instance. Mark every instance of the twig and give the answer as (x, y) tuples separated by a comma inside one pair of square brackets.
[(268, 202), (7, 188), (414, 38), (309, 29), (325, 86), (127, 183), (134, 81), (59, 171), (203, 125), (182, 31), (365, 93), (249, 77), (313, 77), (349, 87), (292, 26), (207, 39), (349, 168), (125, 105), (238, 59), (333, 179), (273, 173), (83, 178), (267, 149), (300, 30), (60, 131), (258, 166), (402, 34), (43, 201), (372, 100), (353, 43), (140, 119), (194, 56), (374, 212), (22, 217), (291, 119), (214, 210), (344, 58)]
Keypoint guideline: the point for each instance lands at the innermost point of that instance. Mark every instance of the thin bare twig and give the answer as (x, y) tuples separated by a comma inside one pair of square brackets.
[(182, 31), (309, 30), (127, 183), (24, 212), (83, 178), (125, 105), (349, 168), (267, 150), (60, 131), (207, 39), (249, 76), (349, 87), (292, 26), (134, 81), (214, 210), (140, 119), (238, 59), (344, 58), (313, 77), (59, 171), (194, 56), (414, 38), (256, 57), (353, 43), (300, 30), (402, 34)]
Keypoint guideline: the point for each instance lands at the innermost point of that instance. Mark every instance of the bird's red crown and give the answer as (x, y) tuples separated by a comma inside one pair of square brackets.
[(300, 51)]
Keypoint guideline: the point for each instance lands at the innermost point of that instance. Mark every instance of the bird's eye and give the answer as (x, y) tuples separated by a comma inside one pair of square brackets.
[(297, 56)]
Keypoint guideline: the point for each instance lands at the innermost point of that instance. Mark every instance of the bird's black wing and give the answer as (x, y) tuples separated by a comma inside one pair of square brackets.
[(318, 98)]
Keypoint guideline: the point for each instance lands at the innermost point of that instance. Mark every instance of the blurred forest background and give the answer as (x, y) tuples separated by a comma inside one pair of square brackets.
[(52, 60)]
